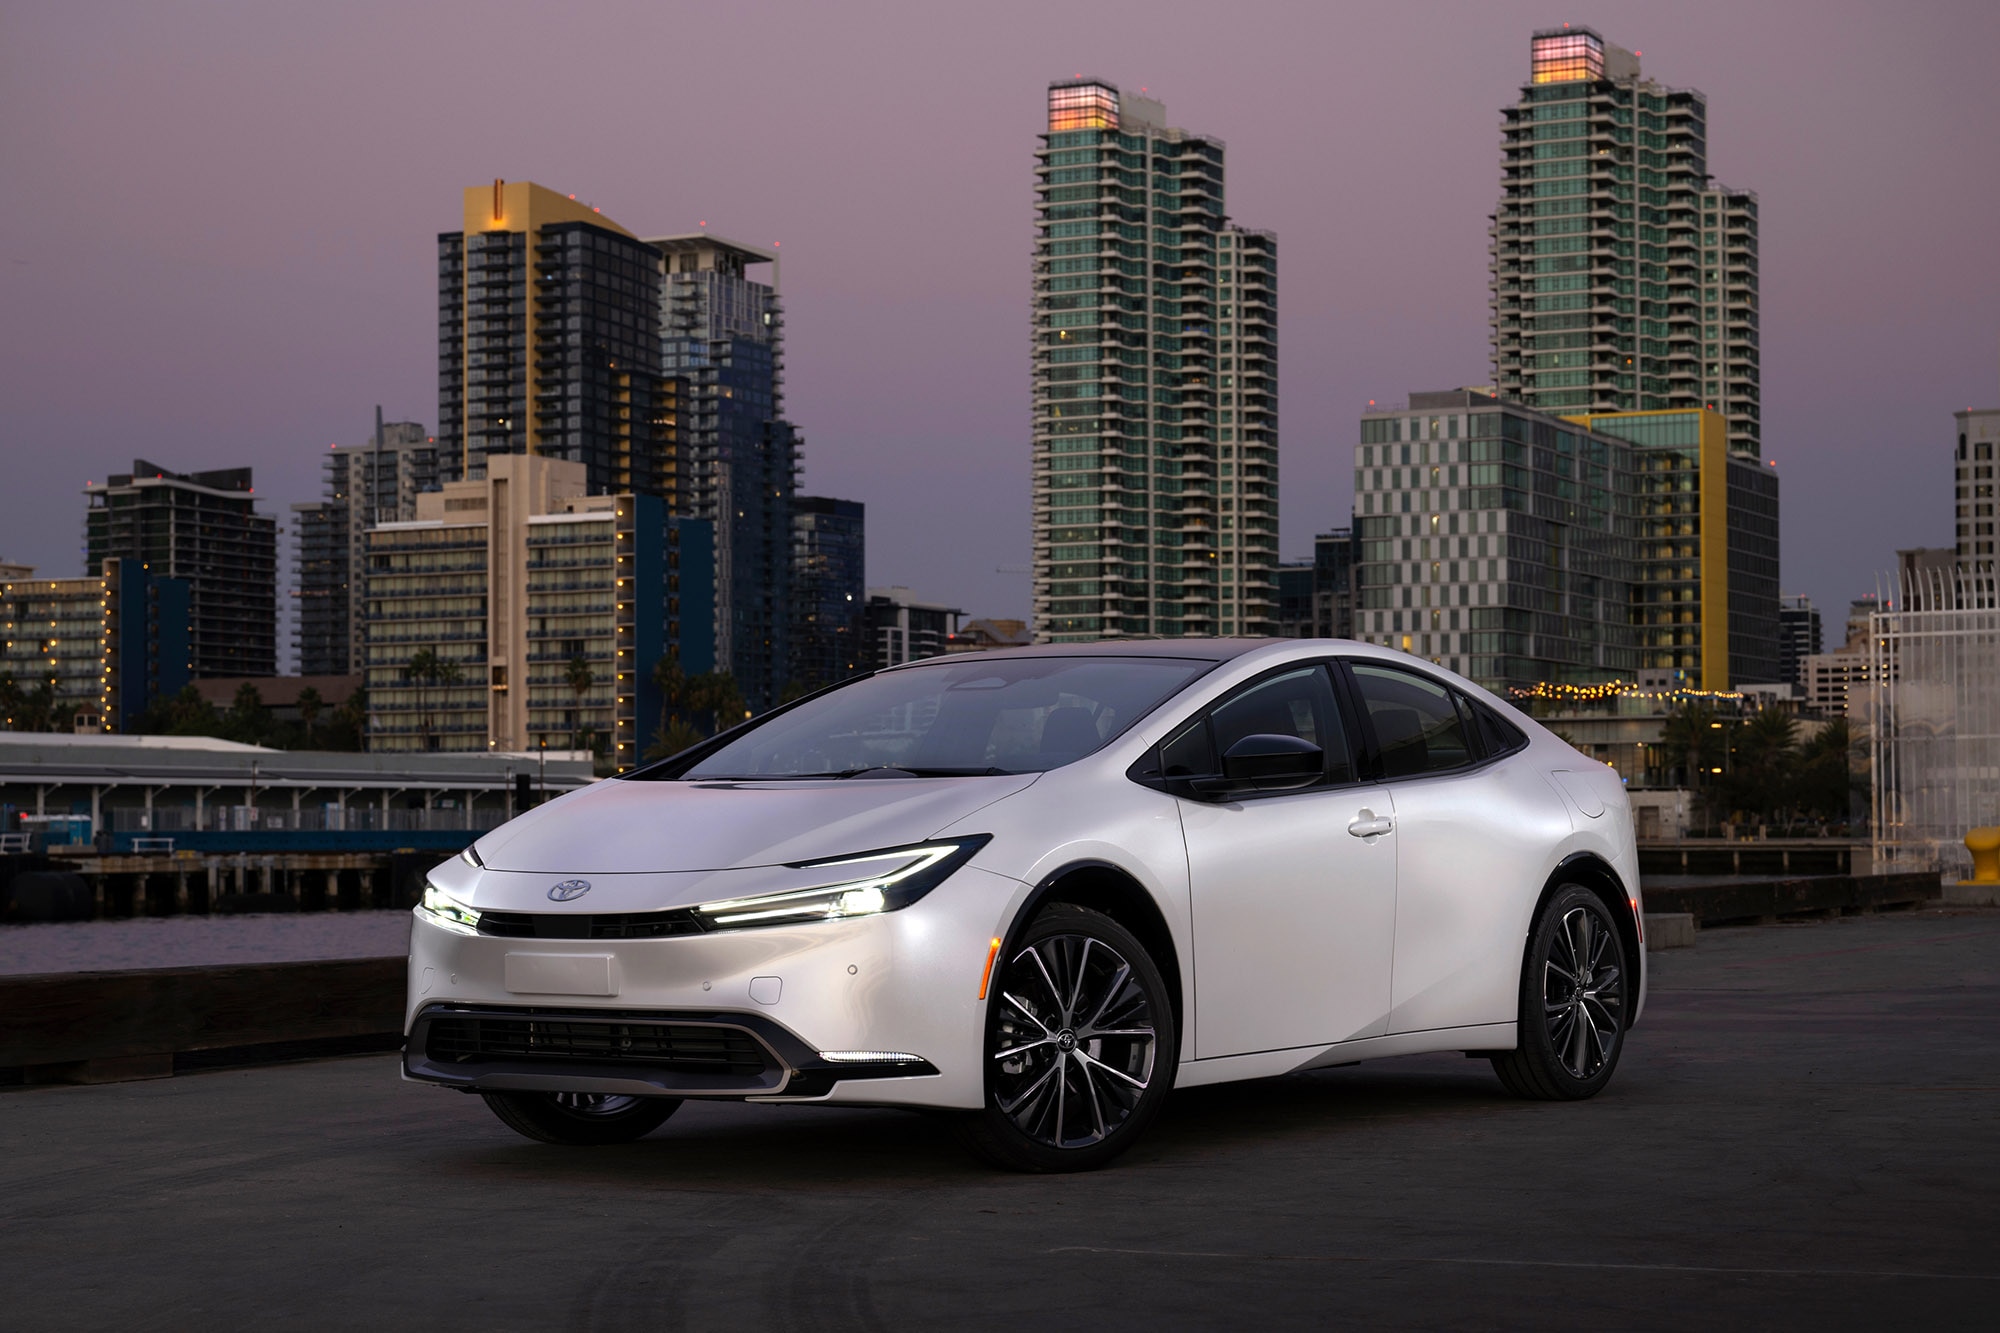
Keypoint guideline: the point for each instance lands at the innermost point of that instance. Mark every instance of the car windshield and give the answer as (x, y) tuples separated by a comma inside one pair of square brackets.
[(1007, 715)]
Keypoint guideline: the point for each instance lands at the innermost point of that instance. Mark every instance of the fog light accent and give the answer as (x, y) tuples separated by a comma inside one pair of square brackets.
[(870, 1058)]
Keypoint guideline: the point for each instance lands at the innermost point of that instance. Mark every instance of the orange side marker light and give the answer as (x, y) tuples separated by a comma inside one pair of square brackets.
[(987, 975)]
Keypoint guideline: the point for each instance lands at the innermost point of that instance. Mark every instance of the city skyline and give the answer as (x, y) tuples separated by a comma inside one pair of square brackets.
[(234, 315)]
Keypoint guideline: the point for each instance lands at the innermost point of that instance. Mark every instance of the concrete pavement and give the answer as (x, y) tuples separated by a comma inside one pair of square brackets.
[(1805, 1133)]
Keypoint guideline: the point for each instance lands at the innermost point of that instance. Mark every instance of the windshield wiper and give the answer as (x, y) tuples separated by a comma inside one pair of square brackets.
[(871, 771), (887, 770)]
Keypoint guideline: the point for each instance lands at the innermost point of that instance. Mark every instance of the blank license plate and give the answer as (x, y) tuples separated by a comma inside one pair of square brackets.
[(560, 974)]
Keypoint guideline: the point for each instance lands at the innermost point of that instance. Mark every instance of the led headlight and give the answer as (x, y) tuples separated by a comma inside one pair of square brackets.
[(446, 910), (883, 881)]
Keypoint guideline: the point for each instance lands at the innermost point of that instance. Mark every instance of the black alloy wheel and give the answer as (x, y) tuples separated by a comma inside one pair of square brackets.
[(581, 1119), (1573, 1002), (1080, 1045)]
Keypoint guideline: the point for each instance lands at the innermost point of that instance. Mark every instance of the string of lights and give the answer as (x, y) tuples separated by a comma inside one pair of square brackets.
[(1616, 689)]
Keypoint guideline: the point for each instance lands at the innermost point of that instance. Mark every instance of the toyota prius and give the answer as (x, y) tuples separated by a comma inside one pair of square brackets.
[(1039, 889)]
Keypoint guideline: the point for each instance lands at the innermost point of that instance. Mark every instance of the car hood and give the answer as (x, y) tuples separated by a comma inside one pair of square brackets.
[(623, 827)]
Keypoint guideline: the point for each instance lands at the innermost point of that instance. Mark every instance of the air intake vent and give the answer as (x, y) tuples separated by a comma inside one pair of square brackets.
[(684, 1048)]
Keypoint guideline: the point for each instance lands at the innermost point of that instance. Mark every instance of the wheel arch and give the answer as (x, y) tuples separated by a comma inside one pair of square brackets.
[(1593, 872), (1112, 890)]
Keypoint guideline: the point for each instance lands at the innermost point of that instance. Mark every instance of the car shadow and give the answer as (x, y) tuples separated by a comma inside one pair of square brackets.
[(809, 1148)]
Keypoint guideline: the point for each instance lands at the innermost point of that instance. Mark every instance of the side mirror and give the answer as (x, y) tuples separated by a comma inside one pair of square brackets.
[(1268, 762)]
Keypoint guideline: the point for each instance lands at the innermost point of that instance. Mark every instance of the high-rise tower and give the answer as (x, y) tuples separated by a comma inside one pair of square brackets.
[(202, 527), (1623, 277), (1978, 439), (366, 484), (549, 342), (829, 590), (723, 345), (1155, 381)]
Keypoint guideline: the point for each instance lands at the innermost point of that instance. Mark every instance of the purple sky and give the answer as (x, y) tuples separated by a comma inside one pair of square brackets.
[(216, 236)]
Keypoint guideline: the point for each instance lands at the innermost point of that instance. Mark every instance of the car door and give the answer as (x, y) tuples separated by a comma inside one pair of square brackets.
[(1474, 835), (1294, 896)]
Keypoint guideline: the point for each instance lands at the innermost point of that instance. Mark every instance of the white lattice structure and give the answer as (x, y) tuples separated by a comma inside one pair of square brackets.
[(1933, 708)]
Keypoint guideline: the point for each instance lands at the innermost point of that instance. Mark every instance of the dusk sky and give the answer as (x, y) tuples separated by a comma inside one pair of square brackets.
[(219, 221)]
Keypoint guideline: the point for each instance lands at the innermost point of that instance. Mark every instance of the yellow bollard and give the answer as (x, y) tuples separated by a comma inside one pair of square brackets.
[(1984, 844)]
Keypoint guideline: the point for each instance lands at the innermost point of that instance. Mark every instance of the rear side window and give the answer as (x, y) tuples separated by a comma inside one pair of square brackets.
[(1500, 735), (1418, 727)]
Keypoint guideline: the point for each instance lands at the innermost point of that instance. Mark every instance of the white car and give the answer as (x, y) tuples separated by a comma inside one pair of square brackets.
[(1042, 887)]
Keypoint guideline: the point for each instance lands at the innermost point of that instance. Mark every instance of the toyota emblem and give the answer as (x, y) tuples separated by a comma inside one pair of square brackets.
[(570, 888)]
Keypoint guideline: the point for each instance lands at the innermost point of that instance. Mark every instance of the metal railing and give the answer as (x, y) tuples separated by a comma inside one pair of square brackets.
[(161, 820)]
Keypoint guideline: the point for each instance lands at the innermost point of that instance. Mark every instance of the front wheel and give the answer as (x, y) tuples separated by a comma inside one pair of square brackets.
[(1080, 1046), (1573, 1002), (581, 1119)]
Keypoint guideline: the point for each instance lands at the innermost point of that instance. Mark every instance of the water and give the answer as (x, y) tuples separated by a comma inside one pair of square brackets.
[(197, 941)]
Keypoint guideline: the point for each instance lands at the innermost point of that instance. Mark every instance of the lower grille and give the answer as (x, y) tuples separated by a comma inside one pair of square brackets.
[(685, 1048)]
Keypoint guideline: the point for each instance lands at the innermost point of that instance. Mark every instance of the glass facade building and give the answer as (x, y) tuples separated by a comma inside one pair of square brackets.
[(829, 591), (1706, 607), (1622, 277), (722, 344), (549, 342), (364, 484), (902, 629), (91, 654), (1498, 541), (1800, 635), (204, 528), (1155, 449), (1316, 597)]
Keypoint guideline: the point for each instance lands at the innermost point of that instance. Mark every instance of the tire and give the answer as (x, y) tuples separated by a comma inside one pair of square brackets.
[(1085, 1014), (1575, 995), (580, 1119)]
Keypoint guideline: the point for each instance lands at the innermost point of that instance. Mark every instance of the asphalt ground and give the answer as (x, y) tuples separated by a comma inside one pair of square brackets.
[(1803, 1134)]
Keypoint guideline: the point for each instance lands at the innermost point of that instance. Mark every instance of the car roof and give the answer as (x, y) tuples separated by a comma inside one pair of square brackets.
[(1199, 650)]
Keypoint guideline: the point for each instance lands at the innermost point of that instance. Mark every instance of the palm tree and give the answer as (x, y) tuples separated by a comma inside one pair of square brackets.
[(580, 680), (426, 669), (716, 694), (696, 707), (1762, 774), (310, 704), (350, 722), (1825, 781), (249, 720), (1690, 738), (41, 714)]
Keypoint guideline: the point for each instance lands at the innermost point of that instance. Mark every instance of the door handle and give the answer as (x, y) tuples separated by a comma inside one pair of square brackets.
[(1367, 824)]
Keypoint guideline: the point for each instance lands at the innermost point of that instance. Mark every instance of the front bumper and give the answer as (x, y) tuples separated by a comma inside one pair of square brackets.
[(905, 981), (647, 1053)]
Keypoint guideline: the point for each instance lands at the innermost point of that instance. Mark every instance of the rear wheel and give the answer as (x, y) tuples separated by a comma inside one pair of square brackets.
[(581, 1118), (1080, 1046), (1573, 1002)]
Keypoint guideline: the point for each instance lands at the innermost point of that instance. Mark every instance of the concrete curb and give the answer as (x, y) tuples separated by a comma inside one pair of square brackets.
[(1972, 895), (1714, 902), (91, 1027), (1669, 930)]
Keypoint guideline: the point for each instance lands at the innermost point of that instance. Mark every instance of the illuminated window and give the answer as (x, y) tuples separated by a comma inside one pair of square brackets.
[(1083, 106), (1568, 57)]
